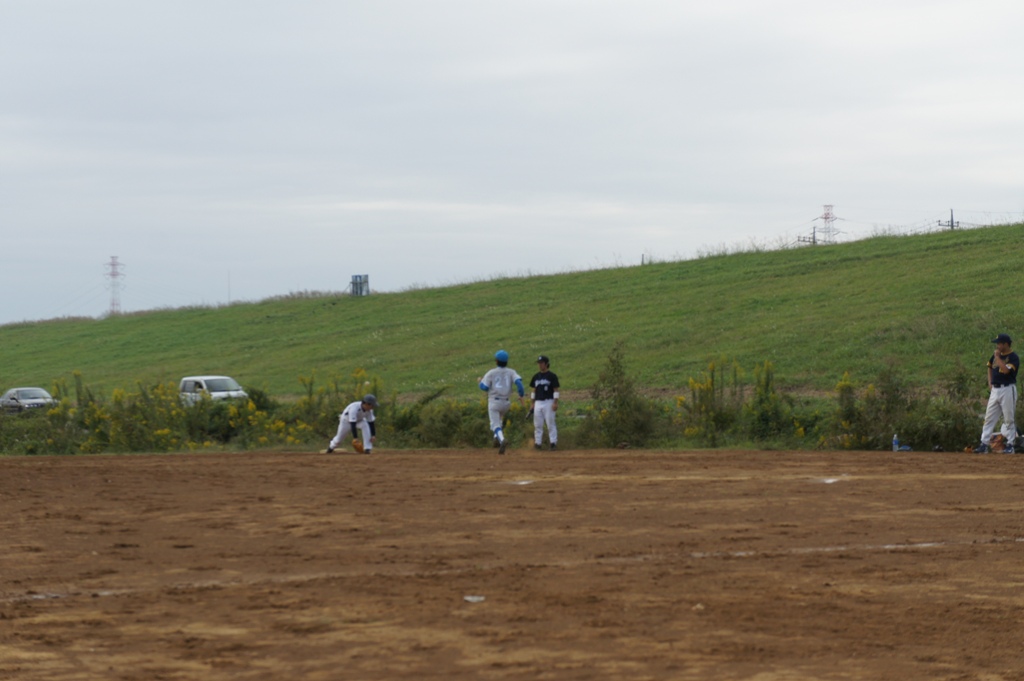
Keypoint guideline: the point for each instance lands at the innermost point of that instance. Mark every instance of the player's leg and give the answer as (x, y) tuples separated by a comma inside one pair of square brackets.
[(364, 428), (1008, 402), (499, 409), (993, 411), (552, 425), (339, 437), (538, 424), (495, 414)]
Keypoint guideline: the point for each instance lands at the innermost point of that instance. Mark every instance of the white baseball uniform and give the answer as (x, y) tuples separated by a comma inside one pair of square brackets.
[(1002, 400), (351, 418), (499, 383), (1002, 403)]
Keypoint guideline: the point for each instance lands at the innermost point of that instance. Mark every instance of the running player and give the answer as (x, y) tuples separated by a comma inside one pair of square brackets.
[(498, 384)]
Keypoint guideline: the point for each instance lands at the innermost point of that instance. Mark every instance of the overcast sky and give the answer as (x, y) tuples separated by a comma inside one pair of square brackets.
[(231, 150)]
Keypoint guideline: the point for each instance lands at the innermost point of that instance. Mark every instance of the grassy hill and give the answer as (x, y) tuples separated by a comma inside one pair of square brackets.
[(925, 302)]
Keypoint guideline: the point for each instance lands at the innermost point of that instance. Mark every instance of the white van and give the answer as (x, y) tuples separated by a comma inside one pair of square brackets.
[(192, 388)]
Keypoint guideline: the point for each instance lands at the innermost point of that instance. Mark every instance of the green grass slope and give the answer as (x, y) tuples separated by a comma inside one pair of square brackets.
[(925, 302)]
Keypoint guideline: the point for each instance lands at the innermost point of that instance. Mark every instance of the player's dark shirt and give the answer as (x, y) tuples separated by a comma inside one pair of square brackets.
[(1000, 379), (544, 384)]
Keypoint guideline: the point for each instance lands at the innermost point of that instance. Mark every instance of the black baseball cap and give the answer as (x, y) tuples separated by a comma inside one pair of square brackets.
[(1003, 338), (544, 358)]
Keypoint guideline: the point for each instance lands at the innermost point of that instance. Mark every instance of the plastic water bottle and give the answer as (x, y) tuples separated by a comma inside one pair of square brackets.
[(895, 443)]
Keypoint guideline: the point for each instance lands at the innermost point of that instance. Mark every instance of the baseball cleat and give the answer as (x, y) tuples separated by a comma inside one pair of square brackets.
[(554, 446), (982, 449), (501, 447), (537, 446), (329, 450)]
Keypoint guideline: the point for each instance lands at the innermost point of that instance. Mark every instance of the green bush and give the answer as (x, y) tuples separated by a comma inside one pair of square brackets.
[(767, 415), (619, 415), (719, 409), (869, 418), (450, 422), (26, 433), (461, 423), (715, 403), (401, 425)]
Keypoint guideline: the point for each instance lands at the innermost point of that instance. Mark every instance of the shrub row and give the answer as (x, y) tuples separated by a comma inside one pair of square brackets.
[(720, 408)]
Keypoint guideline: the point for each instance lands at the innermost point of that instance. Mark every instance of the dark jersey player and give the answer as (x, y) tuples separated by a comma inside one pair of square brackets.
[(544, 394), (1002, 397)]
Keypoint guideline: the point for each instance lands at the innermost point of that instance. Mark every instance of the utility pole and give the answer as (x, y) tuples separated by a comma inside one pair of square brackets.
[(812, 239), (114, 273), (950, 224)]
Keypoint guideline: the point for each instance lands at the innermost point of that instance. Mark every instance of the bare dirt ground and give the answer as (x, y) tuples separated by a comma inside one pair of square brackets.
[(767, 566)]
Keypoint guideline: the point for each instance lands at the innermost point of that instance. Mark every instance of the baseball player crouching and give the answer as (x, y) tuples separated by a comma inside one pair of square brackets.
[(544, 394), (357, 415), (498, 384)]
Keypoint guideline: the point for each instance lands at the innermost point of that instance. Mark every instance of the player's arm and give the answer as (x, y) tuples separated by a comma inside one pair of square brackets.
[(1000, 364)]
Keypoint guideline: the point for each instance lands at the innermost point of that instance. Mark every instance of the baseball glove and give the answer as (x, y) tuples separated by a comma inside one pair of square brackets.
[(358, 446)]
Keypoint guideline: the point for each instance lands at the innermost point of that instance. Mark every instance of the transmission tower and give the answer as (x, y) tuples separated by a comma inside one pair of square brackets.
[(114, 273), (828, 231), (826, 234)]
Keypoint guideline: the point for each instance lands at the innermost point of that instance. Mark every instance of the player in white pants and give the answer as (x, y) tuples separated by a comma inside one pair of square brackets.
[(1002, 398), (357, 415), (544, 393), (498, 384)]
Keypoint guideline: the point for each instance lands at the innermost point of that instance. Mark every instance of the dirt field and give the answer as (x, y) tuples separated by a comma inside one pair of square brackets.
[(766, 566)]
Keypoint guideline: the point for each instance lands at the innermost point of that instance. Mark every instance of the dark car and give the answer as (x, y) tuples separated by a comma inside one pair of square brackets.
[(20, 399)]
